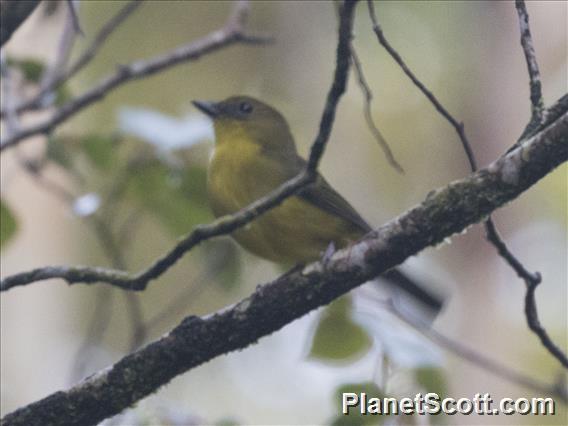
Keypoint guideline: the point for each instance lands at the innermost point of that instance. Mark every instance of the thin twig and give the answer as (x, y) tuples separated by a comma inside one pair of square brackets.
[(477, 358), (9, 98), (34, 169), (90, 52), (439, 107), (104, 33), (531, 314), (532, 280), (368, 94), (537, 117), (273, 305), (537, 101), (66, 42), (138, 282), (509, 172), (226, 224), (232, 33), (72, 6), (516, 265), (337, 88), (112, 251)]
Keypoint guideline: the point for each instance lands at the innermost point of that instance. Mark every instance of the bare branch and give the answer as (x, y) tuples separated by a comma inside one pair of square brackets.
[(477, 358), (12, 15), (368, 94), (64, 47), (99, 40), (532, 280), (114, 253), (197, 340), (531, 314), (537, 117), (75, 17), (439, 107), (232, 33), (537, 101), (9, 98), (66, 41), (38, 101), (226, 224), (337, 87), (33, 167)]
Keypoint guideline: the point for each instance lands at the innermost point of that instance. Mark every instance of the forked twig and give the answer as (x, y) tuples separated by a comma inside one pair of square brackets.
[(531, 280)]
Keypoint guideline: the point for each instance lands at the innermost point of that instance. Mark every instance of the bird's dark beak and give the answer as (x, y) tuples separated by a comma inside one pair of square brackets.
[(209, 108)]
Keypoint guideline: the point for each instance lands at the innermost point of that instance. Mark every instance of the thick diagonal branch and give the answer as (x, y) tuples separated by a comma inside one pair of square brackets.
[(531, 279), (196, 340)]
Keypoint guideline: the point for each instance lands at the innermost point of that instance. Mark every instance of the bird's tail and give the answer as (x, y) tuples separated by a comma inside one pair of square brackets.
[(426, 298)]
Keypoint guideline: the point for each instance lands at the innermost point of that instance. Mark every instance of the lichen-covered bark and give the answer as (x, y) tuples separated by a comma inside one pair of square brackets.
[(195, 341)]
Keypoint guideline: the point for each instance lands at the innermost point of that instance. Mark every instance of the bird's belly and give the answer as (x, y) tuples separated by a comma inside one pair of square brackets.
[(293, 232), (296, 231), (288, 234)]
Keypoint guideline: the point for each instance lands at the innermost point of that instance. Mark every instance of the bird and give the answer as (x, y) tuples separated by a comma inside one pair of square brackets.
[(255, 153)]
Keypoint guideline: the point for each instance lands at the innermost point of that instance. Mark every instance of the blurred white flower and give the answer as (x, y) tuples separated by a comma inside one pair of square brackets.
[(164, 132), (86, 205)]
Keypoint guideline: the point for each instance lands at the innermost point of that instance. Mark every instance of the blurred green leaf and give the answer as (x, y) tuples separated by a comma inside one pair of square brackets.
[(32, 69), (8, 223), (194, 184), (57, 152), (337, 337), (178, 200), (432, 379), (355, 418), (100, 150)]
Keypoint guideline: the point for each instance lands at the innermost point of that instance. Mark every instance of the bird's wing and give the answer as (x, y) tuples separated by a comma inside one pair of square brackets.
[(322, 195)]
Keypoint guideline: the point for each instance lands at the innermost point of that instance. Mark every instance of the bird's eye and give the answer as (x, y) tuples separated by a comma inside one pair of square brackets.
[(245, 107)]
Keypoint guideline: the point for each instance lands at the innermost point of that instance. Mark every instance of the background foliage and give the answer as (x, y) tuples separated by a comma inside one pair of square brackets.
[(133, 168)]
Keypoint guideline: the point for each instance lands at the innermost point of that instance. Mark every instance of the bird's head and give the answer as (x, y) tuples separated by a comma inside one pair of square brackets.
[(245, 118)]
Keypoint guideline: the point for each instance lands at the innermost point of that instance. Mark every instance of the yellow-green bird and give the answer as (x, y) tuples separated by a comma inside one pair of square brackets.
[(254, 154)]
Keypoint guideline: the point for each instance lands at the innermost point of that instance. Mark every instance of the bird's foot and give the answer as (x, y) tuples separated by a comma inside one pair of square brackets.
[(329, 251)]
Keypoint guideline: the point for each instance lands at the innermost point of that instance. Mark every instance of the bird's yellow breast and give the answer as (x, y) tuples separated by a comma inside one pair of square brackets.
[(293, 232)]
